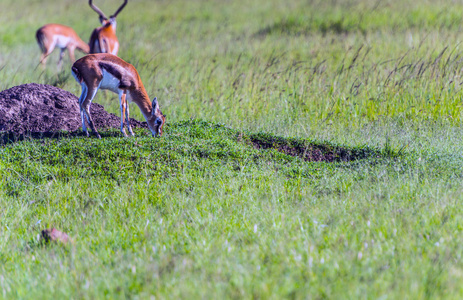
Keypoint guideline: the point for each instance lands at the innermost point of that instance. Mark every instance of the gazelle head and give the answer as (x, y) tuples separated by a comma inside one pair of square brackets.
[(157, 119), (103, 19)]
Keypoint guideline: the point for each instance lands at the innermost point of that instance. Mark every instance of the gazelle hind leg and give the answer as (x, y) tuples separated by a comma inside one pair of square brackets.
[(43, 59), (46, 53), (82, 114), (86, 108)]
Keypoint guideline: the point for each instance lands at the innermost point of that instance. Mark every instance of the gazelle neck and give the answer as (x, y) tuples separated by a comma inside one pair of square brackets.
[(141, 98), (83, 46)]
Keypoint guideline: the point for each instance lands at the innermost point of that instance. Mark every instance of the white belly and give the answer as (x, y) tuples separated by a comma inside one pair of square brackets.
[(62, 41), (109, 82)]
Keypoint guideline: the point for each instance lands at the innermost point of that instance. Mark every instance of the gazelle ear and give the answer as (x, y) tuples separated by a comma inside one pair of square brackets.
[(155, 105)]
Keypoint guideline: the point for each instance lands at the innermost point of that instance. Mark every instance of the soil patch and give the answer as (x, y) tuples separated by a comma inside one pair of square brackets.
[(46, 110)]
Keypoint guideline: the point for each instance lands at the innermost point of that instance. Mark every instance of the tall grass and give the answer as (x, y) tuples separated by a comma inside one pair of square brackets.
[(265, 63)]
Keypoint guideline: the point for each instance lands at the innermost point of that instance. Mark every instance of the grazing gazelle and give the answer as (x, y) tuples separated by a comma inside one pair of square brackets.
[(104, 39), (64, 37), (109, 72)]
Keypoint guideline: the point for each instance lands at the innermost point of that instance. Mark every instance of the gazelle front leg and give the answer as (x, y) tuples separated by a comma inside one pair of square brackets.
[(123, 106), (71, 49), (46, 52), (82, 114), (127, 118), (61, 55)]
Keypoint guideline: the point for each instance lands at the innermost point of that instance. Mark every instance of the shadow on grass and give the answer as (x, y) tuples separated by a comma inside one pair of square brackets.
[(305, 26), (311, 151), (305, 149)]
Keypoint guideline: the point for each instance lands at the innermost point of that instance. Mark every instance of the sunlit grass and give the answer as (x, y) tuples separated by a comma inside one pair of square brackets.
[(203, 213)]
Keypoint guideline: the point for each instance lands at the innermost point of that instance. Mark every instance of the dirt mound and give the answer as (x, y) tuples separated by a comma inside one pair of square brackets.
[(38, 108)]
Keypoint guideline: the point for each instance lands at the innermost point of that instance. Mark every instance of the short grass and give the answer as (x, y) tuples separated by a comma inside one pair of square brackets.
[(203, 212)]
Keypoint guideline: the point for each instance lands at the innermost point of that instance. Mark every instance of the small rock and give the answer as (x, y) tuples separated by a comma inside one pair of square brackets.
[(53, 234)]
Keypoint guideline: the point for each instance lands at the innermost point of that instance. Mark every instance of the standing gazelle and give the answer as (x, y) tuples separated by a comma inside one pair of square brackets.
[(64, 37), (104, 39), (109, 72)]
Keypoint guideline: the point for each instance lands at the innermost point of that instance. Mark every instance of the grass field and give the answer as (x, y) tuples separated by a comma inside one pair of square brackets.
[(204, 213)]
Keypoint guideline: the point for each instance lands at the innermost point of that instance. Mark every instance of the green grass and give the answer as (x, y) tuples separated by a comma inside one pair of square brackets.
[(216, 208)]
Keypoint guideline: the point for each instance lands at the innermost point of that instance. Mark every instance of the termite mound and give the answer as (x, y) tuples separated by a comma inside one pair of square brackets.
[(44, 109)]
